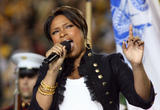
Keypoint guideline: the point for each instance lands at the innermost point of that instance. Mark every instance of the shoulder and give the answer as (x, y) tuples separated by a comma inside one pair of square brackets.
[(112, 61), (108, 57)]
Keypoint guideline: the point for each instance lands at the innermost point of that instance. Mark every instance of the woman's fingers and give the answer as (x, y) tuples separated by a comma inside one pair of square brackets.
[(130, 38), (141, 45), (64, 51), (134, 41), (57, 48), (130, 32), (124, 46)]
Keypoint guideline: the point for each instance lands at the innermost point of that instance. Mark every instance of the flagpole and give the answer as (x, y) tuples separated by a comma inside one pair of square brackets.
[(89, 21)]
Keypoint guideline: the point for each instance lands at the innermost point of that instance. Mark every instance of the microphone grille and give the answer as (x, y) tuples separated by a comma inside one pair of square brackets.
[(67, 44)]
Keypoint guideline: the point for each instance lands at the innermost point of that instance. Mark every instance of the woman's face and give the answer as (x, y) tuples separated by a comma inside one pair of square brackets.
[(63, 29)]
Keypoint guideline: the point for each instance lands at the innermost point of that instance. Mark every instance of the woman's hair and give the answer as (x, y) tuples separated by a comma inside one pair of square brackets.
[(73, 14)]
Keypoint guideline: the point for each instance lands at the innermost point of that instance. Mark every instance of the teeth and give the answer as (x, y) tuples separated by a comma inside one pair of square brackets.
[(69, 40)]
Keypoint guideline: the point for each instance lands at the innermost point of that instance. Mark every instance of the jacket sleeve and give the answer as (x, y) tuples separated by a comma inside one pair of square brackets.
[(125, 82), (42, 72)]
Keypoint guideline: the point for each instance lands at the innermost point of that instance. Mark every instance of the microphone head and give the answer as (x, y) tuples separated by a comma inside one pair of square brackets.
[(67, 44)]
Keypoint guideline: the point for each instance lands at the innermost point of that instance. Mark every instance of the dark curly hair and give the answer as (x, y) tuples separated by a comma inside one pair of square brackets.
[(73, 14)]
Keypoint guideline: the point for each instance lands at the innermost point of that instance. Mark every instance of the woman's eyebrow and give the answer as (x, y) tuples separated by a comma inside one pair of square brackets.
[(65, 24), (58, 27)]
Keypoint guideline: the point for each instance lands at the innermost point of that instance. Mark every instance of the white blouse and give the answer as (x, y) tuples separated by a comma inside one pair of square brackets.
[(77, 97)]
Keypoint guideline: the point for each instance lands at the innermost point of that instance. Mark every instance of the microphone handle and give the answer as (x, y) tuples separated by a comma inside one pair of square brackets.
[(51, 58)]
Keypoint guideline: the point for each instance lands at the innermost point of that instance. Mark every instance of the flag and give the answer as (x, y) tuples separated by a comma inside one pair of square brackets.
[(145, 19)]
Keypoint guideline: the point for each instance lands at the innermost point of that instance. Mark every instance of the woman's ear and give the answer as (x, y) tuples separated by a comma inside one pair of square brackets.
[(87, 44)]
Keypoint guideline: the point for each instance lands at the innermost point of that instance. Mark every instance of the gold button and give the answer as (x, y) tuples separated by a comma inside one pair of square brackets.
[(110, 102), (95, 64), (23, 104), (97, 70), (60, 68), (89, 54), (100, 76), (107, 93), (104, 83)]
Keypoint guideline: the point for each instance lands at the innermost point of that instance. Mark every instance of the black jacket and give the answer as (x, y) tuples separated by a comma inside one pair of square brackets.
[(106, 76)]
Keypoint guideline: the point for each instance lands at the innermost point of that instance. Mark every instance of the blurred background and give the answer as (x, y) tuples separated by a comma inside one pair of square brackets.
[(21, 29)]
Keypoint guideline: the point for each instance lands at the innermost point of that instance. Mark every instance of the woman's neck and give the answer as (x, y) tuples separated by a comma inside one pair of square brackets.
[(78, 59), (75, 73)]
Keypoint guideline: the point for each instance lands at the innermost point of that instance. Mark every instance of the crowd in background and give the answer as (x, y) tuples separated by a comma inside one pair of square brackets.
[(21, 29)]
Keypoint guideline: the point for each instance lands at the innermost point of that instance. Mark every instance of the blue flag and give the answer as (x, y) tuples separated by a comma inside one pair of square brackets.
[(145, 18)]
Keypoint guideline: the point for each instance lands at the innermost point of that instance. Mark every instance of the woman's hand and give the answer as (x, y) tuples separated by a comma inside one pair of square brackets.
[(134, 49), (59, 50)]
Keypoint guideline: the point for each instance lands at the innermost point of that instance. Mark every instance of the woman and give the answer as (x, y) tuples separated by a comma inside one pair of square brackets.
[(81, 79)]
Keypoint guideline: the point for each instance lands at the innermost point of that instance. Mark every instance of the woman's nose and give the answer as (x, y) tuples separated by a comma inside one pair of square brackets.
[(62, 33)]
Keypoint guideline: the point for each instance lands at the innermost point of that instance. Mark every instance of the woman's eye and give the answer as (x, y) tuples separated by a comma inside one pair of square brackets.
[(54, 32), (69, 26)]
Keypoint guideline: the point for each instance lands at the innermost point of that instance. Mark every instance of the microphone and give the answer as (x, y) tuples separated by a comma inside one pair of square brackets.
[(53, 56)]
